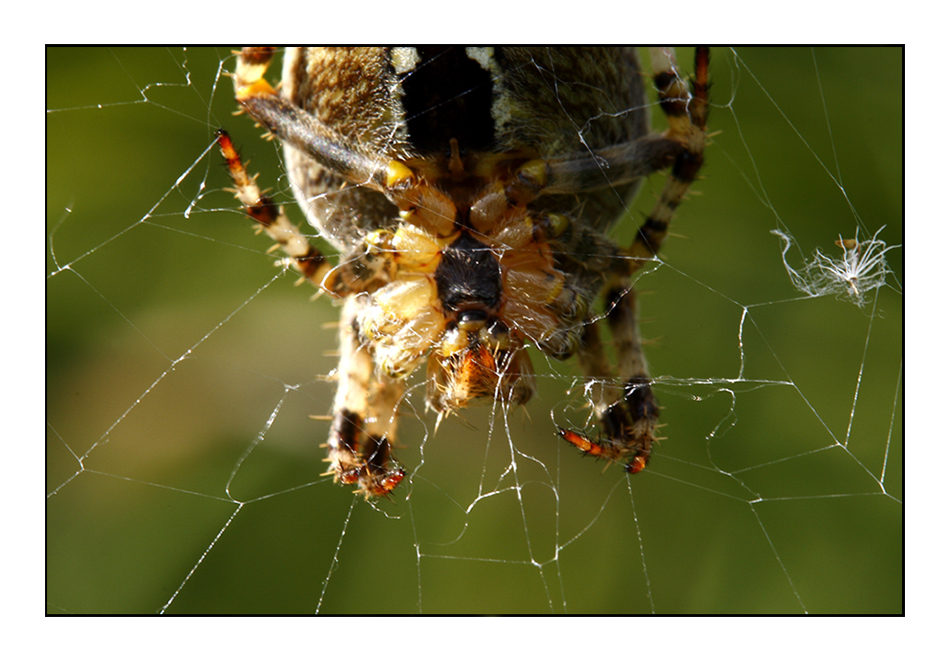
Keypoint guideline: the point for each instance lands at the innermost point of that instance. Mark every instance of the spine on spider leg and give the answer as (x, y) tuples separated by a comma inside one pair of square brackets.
[(308, 260)]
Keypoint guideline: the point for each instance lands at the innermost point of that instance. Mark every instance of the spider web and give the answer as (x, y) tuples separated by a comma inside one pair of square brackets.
[(183, 474)]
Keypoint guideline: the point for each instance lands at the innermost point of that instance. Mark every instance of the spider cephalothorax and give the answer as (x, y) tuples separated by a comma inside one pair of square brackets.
[(472, 223)]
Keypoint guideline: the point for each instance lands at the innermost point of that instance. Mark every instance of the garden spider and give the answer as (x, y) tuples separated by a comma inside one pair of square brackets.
[(471, 212)]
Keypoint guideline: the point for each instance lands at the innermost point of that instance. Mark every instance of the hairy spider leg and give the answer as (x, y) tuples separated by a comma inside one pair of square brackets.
[(365, 409), (629, 412), (364, 420), (686, 114), (307, 259)]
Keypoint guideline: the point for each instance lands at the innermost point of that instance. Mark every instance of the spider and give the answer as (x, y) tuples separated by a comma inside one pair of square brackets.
[(471, 211)]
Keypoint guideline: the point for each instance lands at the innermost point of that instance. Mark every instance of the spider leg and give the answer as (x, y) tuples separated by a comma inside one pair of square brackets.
[(607, 167), (603, 395), (364, 420), (364, 415), (686, 114), (636, 419), (680, 148), (628, 412), (295, 127), (308, 260)]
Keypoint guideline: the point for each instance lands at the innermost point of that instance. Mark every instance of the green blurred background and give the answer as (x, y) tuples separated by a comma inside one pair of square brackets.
[(181, 369)]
